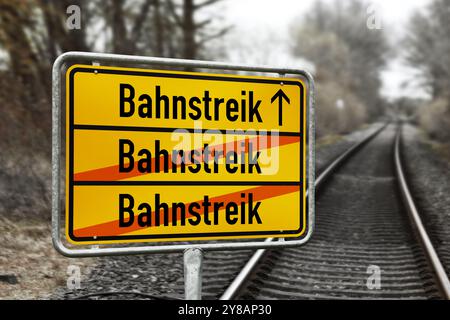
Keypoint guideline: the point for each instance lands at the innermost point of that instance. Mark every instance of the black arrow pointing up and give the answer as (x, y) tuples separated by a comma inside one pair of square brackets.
[(280, 95)]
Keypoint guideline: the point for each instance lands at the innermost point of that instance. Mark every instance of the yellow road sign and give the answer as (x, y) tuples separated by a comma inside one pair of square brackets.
[(165, 155)]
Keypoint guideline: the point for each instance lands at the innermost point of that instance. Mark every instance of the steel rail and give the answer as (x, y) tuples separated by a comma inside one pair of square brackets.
[(416, 221), (253, 262)]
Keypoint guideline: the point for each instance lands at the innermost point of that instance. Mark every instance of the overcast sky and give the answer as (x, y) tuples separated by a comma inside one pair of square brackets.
[(257, 20)]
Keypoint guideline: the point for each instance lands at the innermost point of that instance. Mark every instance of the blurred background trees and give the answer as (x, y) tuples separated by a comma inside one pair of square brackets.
[(348, 57), (428, 48), (34, 32)]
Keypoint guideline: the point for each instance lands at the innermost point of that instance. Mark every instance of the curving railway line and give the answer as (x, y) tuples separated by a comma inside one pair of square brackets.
[(373, 229)]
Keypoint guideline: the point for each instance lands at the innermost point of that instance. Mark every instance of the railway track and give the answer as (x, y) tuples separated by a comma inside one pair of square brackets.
[(363, 225), (354, 239)]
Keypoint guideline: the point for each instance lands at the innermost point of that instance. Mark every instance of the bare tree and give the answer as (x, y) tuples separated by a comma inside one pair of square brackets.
[(428, 47), (193, 36), (336, 38), (22, 57), (125, 41), (34, 32)]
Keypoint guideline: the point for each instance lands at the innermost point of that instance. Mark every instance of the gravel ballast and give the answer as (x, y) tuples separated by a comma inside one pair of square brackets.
[(428, 175)]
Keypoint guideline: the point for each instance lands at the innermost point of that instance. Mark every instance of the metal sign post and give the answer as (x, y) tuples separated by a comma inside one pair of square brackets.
[(134, 203), (193, 262)]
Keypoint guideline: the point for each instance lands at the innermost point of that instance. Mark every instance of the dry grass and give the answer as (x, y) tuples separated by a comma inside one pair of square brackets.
[(329, 139), (442, 149), (27, 252), (434, 118)]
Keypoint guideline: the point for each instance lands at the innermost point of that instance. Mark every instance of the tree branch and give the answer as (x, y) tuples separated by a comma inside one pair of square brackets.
[(172, 10), (205, 4), (203, 24), (137, 28)]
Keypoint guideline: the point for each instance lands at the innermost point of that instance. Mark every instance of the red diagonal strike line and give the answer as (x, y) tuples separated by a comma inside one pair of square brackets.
[(112, 228), (112, 173)]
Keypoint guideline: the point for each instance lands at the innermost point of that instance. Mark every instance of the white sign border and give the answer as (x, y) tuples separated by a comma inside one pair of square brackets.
[(108, 250)]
